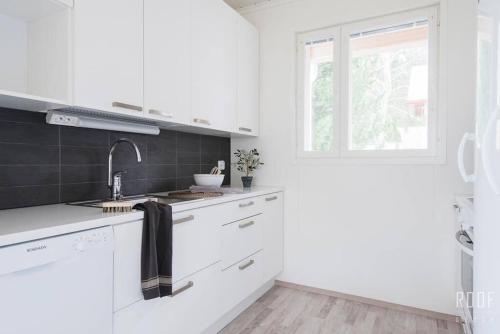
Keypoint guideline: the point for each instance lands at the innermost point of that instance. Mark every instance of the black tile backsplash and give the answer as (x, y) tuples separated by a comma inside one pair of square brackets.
[(46, 164)]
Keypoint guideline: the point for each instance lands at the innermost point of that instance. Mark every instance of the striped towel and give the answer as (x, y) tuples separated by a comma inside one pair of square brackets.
[(156, 257)]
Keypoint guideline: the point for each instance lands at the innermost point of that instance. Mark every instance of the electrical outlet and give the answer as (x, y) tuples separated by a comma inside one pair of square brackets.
[(221, 164), (60, 119)]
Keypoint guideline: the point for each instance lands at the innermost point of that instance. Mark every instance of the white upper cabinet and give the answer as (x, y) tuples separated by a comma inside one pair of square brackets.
[(213, 64), (193, 63), (108, 55), (248, 79), (35, 56), (167, 62)]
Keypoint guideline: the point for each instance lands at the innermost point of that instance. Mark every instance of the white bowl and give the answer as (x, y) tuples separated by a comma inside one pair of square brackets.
[(208, 180)]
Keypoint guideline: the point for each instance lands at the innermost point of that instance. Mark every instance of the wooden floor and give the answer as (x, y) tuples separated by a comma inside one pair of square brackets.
[(286, 310)]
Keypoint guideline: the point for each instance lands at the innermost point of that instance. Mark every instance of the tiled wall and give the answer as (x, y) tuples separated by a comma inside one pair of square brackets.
[(44, 164)]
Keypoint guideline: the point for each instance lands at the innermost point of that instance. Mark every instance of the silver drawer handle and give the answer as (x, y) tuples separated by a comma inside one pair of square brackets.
[(188, 286), (126, 106), (184, 220), (160, 113), (246, 129), (269, 199), (245, 225), (201, 121), (245, 205), (246, 265)]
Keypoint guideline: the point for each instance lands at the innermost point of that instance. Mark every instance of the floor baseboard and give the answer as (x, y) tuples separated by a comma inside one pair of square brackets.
[(374, 302)]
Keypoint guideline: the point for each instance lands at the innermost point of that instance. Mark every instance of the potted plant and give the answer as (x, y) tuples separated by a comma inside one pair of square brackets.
[(248, 161)]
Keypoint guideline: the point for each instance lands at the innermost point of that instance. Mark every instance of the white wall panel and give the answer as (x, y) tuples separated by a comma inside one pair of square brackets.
[(377, 231)]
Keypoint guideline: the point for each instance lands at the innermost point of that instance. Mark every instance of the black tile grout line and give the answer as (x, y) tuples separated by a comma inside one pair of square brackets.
[(29, 144), (84, 146), (28, 165), (104, 182), (28, 123), (83, 165), (30, 186), (160, 178)]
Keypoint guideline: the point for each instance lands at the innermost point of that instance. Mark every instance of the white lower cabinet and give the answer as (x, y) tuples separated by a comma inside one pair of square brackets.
[(240, 280), (222, 254), (240, 239), (193, 309), (273, 232), (196, 245)]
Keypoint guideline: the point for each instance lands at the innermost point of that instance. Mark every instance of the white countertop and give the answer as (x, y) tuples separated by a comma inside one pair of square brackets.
[(32, 223)]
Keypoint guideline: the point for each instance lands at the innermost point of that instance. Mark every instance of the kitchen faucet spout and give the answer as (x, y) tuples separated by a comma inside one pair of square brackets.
[(114, 179)]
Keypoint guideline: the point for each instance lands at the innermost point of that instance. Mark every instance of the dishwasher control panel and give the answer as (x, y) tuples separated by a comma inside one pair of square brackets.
[(43, 252), (91, 238)]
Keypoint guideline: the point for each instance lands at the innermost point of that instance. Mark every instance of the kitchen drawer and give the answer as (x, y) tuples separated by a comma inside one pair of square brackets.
[(196, 245), (197, 242), (238, 210), (241, 239), (191, 310), (241, 280)]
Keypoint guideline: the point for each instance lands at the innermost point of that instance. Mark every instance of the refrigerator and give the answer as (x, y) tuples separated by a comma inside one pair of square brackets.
[(486, 178)]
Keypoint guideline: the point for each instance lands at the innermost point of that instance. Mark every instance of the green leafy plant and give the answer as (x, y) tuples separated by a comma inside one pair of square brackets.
[(248, 161)]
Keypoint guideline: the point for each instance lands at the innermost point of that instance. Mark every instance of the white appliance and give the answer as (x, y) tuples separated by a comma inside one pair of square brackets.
[(58, 285), (486, 177), (465, 260)]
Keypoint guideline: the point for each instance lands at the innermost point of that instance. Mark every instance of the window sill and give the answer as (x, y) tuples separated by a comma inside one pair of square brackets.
[(360, 161)]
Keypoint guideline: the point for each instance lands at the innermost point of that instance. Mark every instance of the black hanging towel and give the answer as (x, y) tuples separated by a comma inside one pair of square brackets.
[(156, 256)]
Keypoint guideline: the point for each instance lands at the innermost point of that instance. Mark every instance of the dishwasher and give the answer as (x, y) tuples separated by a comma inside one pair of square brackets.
[(58, 285)]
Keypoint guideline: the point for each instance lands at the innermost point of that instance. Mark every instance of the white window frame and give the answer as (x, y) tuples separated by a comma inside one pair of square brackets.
[(341, 151), (302, 99)]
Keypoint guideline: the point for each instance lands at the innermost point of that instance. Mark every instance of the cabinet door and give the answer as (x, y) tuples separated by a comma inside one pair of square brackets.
[(241, 280), (273, 235), (195, 306), (108, 49), (214, 57), (167, 65), (248, 79)]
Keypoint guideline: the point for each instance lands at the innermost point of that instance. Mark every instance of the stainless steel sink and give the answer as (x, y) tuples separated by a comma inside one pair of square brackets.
[(133, 199)]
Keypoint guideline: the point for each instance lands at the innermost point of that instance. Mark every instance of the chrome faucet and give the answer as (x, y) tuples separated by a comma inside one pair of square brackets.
[(115, 179)]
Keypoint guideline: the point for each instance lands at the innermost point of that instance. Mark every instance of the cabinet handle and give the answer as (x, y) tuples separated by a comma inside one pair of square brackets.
[(201, 121), (269, 199), (188, 286), (246, 129), (246, 265), (245, 205), (245, 225), (160, 113), (126, 106), (184, 220)]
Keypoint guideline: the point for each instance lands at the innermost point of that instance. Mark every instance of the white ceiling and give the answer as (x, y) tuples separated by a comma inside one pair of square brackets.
[(238, 4)]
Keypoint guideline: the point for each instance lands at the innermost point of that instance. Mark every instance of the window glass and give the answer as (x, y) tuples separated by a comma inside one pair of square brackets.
[(319, 95), (389, 88)]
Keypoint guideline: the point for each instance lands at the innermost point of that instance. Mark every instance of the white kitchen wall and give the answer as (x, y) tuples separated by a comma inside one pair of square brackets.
[(378, 231)]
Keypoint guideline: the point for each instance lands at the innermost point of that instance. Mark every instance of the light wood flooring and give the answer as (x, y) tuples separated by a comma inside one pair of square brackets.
[(290, 311)]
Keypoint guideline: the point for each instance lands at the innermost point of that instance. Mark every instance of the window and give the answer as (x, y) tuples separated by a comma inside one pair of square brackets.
[(369, 88), (320, 66)]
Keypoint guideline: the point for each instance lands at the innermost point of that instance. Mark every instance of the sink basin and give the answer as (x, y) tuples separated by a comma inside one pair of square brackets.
[(133, 199)]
